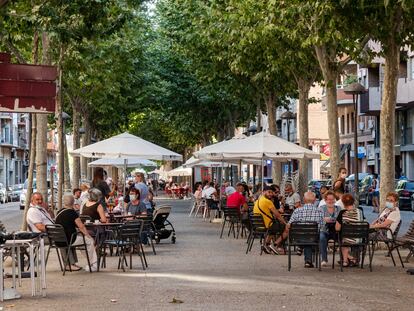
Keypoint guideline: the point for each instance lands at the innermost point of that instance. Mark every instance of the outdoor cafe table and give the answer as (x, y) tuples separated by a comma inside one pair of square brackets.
[(36, 248)]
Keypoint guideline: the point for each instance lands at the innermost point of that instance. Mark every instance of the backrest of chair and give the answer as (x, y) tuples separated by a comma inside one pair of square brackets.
[(304, 232), (395, 233), (131, 230), (56, 234), (256, 221), (355, 230), (410, 233), (147, 223), (231, 212)]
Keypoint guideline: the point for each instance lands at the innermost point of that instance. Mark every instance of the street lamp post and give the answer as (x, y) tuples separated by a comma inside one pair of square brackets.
[(355, 89)]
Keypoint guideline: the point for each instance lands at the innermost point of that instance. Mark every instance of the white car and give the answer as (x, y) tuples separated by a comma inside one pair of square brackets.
[(3, 194)]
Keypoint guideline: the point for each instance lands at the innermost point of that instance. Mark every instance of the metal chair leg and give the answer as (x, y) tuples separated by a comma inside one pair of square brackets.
[(222, 228)]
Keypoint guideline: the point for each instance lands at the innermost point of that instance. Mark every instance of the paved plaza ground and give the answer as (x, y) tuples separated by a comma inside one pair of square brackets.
[(203, 272)]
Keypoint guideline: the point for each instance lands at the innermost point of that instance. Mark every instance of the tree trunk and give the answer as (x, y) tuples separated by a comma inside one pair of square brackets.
[(59, 129), (32, 156), (85, 141), (32, 161), (259, 117), (67, 186), (41, 138), (303, 88), (387, 120), (271, 113), (330, 73), (271, 120), (76, 174)]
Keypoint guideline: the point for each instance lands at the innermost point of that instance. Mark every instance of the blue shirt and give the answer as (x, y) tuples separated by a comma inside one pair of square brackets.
[(137, 209), (143, 191), (308, 212)]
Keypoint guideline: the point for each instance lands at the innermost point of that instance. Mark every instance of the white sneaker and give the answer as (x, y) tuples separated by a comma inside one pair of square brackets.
[(94, 268), (324, 263)]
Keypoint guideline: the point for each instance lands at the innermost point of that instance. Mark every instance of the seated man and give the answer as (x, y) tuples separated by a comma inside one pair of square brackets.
[(237, 199), (309, 212), (272, 220), (70, 221), (228, 189), (78, 202), (292, 200), (275, 199), (388, 219), (37, 216)]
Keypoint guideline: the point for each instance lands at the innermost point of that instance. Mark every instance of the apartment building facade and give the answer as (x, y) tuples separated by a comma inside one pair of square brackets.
[(14, 154)]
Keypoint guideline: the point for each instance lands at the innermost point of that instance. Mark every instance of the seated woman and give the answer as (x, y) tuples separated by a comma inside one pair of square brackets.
[(330, 213), (388, 219), (135, 206), (93, 207), (348, 215)]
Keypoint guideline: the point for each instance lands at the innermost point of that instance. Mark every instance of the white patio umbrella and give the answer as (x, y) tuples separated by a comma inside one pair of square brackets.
[(161, 173), (126, 145), (259, 146), (192, 162), (119, 162), (180, 171)]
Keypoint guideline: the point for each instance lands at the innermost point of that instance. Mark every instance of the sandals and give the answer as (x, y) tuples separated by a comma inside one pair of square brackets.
[(350, 263)]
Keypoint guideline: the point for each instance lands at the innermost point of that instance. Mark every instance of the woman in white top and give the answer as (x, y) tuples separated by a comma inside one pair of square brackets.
[(388, 219)]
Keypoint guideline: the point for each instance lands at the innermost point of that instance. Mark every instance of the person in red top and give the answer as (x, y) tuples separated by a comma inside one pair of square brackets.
[(237, 199)]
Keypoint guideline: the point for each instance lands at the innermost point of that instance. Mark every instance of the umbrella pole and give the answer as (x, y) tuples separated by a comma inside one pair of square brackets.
[(240, 171), (124, 185), (262, 170), (221, 187)]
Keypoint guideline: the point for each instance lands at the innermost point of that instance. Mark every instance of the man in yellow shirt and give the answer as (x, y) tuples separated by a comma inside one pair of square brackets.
[(272, 219)]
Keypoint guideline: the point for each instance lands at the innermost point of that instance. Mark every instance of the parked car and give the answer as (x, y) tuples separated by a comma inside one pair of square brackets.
[(16, 190), (24, 191), (365, 196), (9, 191), (315, 185), (350, 181), (3, 193), (405, 190)]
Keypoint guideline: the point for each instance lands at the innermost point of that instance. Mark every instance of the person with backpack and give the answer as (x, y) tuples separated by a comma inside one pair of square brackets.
[(273, 221)]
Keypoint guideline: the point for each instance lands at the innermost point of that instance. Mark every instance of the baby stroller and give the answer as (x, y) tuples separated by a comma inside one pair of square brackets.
[(163, 228)]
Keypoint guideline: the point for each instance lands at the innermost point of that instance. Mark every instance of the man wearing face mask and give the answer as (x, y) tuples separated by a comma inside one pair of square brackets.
[(389, 218)]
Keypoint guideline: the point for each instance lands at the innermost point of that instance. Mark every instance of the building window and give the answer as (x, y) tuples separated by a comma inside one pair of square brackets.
[(347, 123), (342, 124), (352, 123), (411, 68)]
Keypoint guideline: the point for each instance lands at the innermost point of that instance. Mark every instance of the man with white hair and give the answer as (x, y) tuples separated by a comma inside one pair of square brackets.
[(37, 216), (309, 212), (228, 189), (70, 221)]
